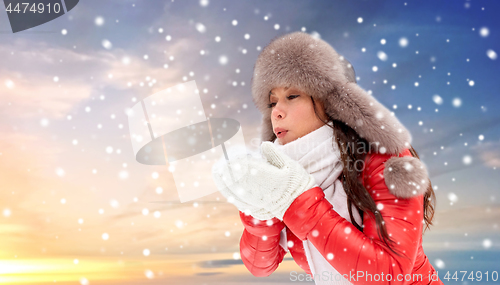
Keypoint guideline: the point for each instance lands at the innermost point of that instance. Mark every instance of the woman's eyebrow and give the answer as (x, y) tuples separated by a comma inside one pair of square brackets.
[(270, 93), (286, 88)]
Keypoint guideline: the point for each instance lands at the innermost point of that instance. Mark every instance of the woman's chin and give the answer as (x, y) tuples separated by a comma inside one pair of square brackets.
[(284, 141)]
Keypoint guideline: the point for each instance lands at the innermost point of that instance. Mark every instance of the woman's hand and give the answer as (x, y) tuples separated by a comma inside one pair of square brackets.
[(225, 173), (267, 184)]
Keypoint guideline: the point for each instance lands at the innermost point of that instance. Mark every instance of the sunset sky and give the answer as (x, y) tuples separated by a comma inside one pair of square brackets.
[(77, 208)]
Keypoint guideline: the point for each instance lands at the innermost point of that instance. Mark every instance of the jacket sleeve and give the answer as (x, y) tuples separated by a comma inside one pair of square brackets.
[(353, 253), (259, 245)]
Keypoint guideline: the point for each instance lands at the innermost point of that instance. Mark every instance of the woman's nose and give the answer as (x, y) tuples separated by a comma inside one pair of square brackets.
[(278, 112)]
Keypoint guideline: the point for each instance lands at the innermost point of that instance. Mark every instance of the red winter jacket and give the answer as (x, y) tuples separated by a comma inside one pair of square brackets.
[(352, 253)]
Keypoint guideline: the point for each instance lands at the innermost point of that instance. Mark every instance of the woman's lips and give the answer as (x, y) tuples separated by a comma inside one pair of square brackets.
[(281, 134)]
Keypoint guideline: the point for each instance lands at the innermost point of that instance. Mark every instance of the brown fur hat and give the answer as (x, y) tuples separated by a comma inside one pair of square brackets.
[(310, 64)]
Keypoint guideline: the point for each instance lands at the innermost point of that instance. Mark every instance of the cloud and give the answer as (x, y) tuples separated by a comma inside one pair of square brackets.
[(38, 97), (450, 133), (209, 273), (137, 70), (222, 263), (490, 154), (39, 80), (477, 218), (219, 263)]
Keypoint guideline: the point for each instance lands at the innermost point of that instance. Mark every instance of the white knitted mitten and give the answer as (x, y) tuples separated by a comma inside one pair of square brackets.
[(256, 211), (293, 180), (271, 182), (225, 172)]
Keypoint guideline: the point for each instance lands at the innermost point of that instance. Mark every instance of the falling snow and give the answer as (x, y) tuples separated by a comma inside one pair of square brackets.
[(138, 73), (491, 54), (106, 44), (403, 42), (99, 21)]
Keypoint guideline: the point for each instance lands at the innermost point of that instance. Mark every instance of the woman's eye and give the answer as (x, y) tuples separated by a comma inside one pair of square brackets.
[(289, 98)]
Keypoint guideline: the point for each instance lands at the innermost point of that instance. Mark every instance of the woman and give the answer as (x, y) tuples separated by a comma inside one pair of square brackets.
[(304, 88)]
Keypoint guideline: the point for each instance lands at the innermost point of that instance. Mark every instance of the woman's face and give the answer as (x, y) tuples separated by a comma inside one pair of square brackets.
[(292, 111)]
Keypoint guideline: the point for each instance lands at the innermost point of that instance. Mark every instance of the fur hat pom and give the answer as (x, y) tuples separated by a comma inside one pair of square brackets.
[(406, 176)]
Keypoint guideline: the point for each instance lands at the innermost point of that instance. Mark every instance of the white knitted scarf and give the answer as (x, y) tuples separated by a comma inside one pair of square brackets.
[(320, 156)]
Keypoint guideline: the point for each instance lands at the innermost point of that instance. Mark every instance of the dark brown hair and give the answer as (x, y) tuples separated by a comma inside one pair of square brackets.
[(346, 139)]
